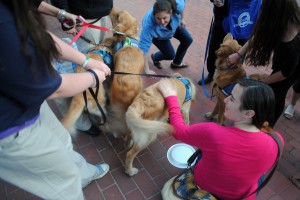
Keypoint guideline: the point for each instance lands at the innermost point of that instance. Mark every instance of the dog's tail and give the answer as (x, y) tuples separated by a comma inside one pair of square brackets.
[(136, 123)]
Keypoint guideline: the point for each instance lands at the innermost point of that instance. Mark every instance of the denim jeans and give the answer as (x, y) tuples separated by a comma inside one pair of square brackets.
[(166, 50)]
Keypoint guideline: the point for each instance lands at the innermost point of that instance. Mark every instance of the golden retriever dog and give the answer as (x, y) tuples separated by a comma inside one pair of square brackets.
[(147, 116), (124, 88), (226, 76), (77, 105), (123, 22)]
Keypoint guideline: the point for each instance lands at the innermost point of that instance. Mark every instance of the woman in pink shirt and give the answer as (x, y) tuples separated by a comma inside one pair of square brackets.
[(233, 157)]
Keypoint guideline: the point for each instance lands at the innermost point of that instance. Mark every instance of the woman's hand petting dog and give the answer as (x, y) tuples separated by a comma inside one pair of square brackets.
[(233, 59), (166, 88), (96, 64)]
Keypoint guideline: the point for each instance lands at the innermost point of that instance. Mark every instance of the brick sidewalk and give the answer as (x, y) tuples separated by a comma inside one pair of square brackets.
[(152, 162)]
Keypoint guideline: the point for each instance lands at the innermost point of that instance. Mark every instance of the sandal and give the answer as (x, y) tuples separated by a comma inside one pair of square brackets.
[(176, 66), (295, 181), (155, 63), (289, 111)]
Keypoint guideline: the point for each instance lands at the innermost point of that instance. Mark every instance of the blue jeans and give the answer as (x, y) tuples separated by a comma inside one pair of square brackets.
[(166, 50)]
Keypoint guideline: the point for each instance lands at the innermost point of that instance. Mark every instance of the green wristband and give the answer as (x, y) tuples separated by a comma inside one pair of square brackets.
[(85, 62)]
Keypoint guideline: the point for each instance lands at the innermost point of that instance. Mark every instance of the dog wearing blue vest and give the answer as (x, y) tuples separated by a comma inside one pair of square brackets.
[(148, 116), (127, 58), (226, 76), (104, 53)]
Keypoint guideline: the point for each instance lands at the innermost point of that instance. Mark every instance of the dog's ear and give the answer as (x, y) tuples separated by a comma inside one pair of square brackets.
[(228, 37), (220, 52)]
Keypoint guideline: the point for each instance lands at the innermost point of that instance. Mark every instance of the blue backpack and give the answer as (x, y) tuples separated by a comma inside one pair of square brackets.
[(242, 15)]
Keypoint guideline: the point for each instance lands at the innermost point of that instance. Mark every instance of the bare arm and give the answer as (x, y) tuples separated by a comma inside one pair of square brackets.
[(183, 22), (48, 9), (73, 84), (276, 77), (234, 58)]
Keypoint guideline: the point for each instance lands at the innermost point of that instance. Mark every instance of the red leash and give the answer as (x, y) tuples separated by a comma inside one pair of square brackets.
[(86, 25)]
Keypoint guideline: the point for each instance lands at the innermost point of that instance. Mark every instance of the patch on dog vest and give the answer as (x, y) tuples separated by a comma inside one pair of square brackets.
[(188, 88), (127, 42), (227, 89), (107, 57)]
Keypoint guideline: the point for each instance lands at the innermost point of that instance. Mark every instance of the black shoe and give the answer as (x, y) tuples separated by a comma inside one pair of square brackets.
[(93, 131), (155, 63), (176, 66), (207, 80)]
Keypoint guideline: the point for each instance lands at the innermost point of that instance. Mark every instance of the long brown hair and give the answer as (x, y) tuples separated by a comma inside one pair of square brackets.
[(168, 6), (270, 28), (30, 23), (258, 97)]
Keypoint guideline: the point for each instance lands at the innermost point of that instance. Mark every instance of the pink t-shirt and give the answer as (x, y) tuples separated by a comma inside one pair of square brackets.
[(233, 160)]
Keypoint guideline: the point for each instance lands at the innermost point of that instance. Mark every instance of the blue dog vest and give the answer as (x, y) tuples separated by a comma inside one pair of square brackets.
[(188, 88), (127, 42), (107, 57)]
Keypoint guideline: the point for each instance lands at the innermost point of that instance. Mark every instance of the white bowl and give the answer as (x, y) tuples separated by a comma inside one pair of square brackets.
[(178, 154)]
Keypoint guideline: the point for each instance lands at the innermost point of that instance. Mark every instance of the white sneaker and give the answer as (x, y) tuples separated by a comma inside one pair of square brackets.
[(102, 170), (289, 111)]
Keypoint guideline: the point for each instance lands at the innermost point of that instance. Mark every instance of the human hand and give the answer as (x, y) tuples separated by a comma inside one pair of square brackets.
[(96, 64), (166, 88), (100, 75), (71, 17), (233, 59), (182, 24), (219, 3)]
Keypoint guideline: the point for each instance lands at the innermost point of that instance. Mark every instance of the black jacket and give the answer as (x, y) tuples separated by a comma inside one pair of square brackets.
[(89, 9)]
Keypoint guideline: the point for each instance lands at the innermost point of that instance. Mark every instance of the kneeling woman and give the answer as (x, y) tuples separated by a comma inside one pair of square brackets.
[(233, 158)]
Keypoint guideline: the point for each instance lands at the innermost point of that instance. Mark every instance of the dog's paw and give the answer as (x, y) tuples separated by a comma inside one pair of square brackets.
[(132, 172)]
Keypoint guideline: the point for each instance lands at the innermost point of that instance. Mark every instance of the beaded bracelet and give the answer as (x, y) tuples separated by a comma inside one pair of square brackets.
[(85, 61)]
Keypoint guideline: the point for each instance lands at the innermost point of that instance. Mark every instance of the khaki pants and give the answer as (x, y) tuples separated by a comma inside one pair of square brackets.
[(40, 159)]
